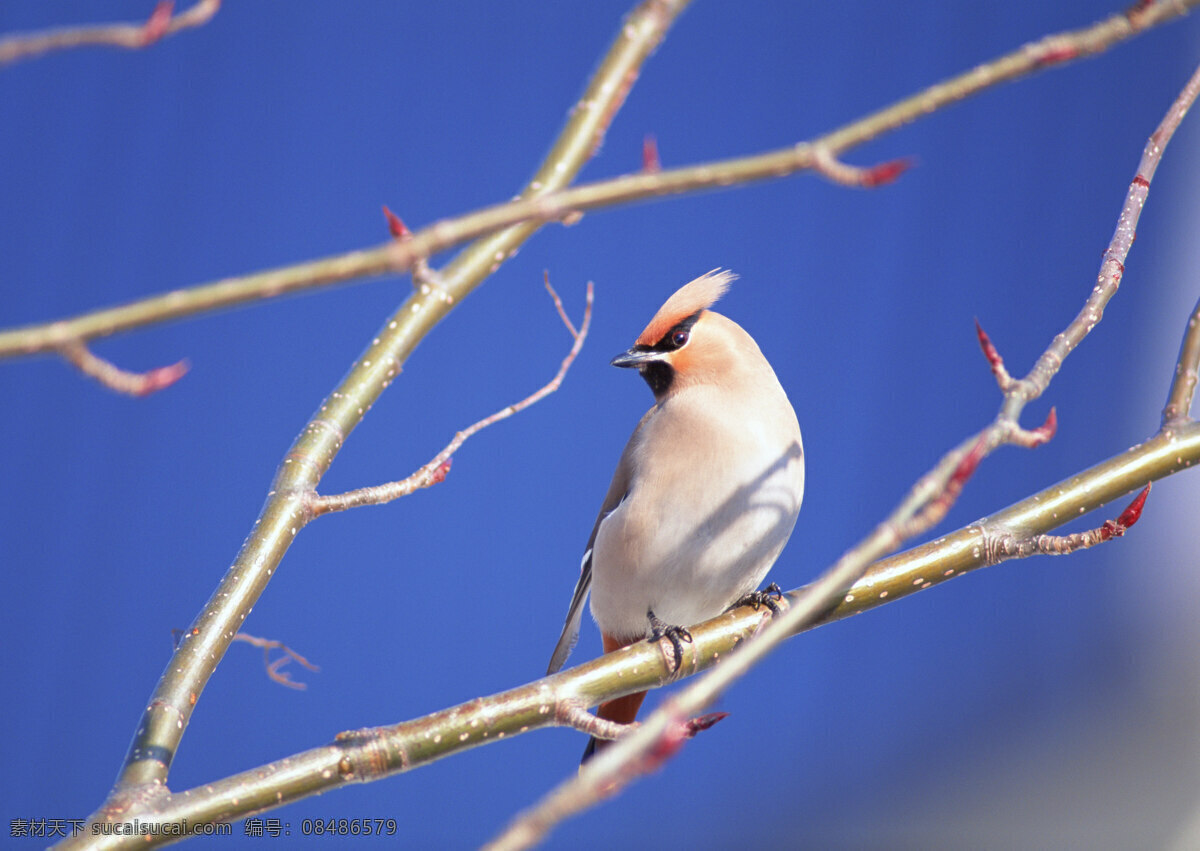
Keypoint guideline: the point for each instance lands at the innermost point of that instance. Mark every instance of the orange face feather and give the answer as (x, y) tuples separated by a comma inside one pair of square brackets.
[(700, 294)]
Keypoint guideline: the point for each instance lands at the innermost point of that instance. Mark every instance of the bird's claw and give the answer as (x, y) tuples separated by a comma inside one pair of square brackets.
[(677, 635), (769, 597)]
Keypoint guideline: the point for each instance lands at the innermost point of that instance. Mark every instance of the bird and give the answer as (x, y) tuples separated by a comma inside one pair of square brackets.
[(706, 492)]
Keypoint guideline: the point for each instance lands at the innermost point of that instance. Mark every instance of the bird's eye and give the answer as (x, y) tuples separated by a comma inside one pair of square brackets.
[(679, 338)]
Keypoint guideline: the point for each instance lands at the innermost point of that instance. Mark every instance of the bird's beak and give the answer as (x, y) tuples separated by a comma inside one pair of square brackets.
[(636, 357)]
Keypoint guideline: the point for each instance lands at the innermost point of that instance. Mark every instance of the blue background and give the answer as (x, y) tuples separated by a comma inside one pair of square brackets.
[(1048, 703)]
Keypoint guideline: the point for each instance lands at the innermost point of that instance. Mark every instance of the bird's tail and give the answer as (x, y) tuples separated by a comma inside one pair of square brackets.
[(622, 710)]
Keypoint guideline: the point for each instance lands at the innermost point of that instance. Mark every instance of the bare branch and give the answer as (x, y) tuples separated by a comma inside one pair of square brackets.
[(669, 745), (1183, 388), (529, 831), (434, 472), (572, 714), (274, 666), (976, 546), (366, 755), (287, 508), (1113, 266), (993, 358), (921, 506), (132, 36), (555, 204), (936, 508), (1033, 438), (1009, 545), (421, 272), (558, 305), (832, 169), (114, 378)]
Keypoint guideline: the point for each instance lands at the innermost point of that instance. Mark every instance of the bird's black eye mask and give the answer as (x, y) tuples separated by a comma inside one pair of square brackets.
[(677, 337), (660, 374)]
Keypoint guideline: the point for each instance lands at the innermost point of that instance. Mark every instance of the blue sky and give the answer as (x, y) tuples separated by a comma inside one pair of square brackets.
[(1023, 702)]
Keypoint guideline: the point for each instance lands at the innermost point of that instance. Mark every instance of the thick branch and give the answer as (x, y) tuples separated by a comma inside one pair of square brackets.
[(544, 203), (1012, 545), (287, 508), (365, 755), (369, 754), (883, 582), (619, 763)]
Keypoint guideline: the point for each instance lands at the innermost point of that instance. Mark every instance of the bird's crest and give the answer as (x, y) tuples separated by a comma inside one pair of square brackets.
[(688, 299)]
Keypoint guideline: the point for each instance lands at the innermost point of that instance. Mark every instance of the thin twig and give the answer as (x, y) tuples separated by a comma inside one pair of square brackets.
[(568, 205), (573, 714), (274, 666), (1183, 388), (836, 171), (1035, 437), (1003, 379), (422, 273), (131, 36), (620, 761), (558, 305), (434, 472), (1112, 268), (936, 509), (114, 378), (1010, 545)]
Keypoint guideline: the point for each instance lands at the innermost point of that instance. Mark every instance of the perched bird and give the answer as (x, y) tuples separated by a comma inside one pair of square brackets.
[(705, 494)]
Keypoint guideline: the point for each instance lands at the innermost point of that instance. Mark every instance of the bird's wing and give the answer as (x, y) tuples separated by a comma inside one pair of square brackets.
[(617, 491), (570, 630)]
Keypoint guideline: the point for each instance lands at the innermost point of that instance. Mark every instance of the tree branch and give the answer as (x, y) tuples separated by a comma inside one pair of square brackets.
[(828, 166), (287, 508), (131, 36), (643, 665), (434, 472), (114, 378), (575, 715), (547, 202), (362, 756), (620, 763), (1183, 388), (366, 755), (1009, 545), (273, 666)]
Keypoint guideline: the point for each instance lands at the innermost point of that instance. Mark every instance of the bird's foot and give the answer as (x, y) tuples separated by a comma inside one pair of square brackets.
[(769, 597), (677, 635)]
